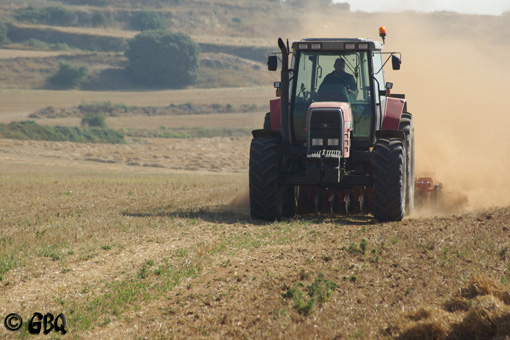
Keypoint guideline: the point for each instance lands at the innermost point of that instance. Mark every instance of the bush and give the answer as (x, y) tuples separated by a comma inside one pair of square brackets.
[(92, 119), (310, 3), (69, 76), (41, 45), (161, 58), (58, 16), (100, 19), (30, 130), (4, 28), (106, 108), (147, 20)]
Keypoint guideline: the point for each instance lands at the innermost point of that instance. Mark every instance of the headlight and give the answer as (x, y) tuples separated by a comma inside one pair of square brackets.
[(333, 142), (317, 142)]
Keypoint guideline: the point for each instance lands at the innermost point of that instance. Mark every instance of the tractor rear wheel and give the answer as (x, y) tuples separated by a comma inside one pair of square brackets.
[(389, 179), (266, 194), (406, 125)]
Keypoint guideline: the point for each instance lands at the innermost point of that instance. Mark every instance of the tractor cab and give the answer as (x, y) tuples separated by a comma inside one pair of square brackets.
[(313, 78)]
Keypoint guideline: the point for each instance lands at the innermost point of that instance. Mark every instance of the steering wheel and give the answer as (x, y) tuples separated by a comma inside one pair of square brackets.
[(333, 92)]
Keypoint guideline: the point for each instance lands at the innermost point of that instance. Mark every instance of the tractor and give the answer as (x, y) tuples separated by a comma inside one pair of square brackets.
[(334, 145)]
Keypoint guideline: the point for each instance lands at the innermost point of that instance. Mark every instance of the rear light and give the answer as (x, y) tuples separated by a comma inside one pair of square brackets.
[(317, 142)]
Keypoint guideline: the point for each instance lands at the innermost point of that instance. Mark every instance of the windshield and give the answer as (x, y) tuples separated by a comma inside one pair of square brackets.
[(323, 76)]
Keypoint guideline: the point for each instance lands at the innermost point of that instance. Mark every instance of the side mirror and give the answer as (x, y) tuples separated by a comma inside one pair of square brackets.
[(395, 62), (272, 63), (388, 85)]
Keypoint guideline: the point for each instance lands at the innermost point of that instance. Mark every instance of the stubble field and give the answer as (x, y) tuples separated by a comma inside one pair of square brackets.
[(154, 240)]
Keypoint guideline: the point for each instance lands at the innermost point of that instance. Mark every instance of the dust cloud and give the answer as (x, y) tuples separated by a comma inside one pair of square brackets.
[(241, 202), (456, 89), (455, 71)]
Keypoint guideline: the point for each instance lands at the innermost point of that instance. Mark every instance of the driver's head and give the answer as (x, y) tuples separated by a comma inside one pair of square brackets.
[(339, 64)]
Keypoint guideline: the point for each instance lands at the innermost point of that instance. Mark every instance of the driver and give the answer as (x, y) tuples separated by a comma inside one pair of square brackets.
[(339, 76)]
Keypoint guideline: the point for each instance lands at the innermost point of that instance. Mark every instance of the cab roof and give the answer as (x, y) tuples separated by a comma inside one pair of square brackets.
[(336, 44)]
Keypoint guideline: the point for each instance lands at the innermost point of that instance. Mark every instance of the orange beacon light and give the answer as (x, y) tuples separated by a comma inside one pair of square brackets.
[(382, 33)]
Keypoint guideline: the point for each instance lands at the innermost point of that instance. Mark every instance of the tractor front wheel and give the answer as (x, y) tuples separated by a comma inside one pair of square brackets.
[(389, 179), (266, 194)]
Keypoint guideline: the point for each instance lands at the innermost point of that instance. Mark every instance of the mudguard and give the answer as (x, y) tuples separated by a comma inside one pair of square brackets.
[(274, 108), (393, 114), (263, 133)]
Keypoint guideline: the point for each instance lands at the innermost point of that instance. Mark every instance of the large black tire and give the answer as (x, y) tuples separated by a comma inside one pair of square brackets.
[(389, 180), (264, 179), (406, 125)]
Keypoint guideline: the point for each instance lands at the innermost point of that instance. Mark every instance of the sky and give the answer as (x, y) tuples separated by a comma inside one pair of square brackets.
[(489, 7)]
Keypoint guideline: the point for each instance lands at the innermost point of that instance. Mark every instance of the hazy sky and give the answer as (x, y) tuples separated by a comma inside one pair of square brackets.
[(491, 7)]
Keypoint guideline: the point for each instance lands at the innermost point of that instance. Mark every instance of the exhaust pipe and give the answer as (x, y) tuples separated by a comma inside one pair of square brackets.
[(284, 93)]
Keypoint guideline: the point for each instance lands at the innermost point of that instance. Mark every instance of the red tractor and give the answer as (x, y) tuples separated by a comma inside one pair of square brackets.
[(336, 139)]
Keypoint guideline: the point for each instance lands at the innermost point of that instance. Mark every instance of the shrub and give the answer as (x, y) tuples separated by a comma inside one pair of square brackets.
[(4, 28), (100, 19), (30, 130), (161, 58), (69, 76), (311, 3), (147, 20), (106, 108), (41, 45), (47, 15), (92, 119)]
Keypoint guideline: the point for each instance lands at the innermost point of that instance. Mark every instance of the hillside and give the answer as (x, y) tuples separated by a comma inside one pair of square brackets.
[(233, 36)]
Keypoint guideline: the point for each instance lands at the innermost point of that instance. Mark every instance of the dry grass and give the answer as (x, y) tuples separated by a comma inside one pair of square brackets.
[(167, 255), (226, 39), (17, 104), (13, 53), (250, 120), (127, 250), (480, 310)]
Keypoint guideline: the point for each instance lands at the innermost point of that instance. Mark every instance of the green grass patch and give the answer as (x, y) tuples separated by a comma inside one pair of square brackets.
[(118, 297), (306, 297), (43, 46), (7, 262), (30, 130)]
